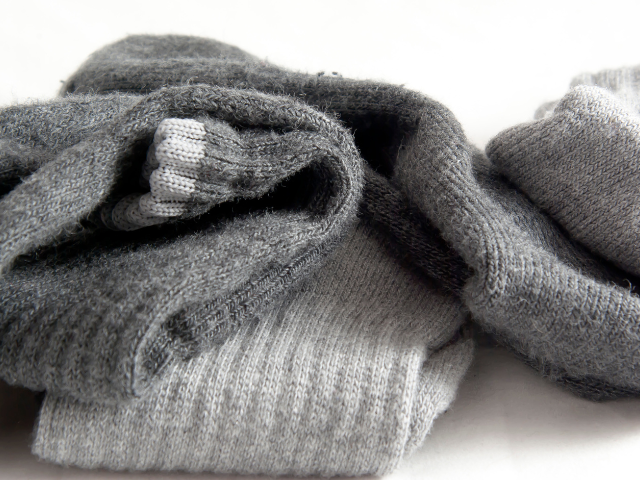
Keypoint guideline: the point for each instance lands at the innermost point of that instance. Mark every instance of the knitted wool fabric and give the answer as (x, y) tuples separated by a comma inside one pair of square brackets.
[(558, 306), (28, 139), (623, 82), (344, 377), (101, 315), (581, 164), (374, 112)]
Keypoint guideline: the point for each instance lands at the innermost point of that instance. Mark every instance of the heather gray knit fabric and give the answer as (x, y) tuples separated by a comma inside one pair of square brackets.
[(342, 378), (623, 82), (560, 308), (564, 310), (32, 135), (102, 314), (581, 164), (376, 113)]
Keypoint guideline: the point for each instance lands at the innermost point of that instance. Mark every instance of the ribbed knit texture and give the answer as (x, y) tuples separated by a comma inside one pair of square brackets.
[(559, 307), (341, 378), (581, 164), (99, 316), (194, 165), (565, 311), (381, 117)]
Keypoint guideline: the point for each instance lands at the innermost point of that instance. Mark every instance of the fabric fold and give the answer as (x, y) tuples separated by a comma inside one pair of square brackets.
[(581, 165), (343, 377), (382, 117), (99, 316), (566, 311), (563, 310)]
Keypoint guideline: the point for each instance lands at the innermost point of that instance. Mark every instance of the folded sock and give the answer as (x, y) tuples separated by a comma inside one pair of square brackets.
[(580, 164), (342, 377), (101, 315), (379, 115), (559, 307), (563, 309), (194, 165)]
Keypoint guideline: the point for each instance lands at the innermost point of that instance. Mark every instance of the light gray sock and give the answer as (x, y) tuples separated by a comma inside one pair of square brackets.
[(559, 307), (343, 377), (581, 165), (623, 82)]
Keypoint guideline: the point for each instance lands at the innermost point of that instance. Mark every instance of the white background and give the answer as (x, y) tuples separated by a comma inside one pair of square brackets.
[(492, 63)]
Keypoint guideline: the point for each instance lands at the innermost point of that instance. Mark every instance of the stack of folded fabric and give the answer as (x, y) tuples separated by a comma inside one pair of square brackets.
[(204, 275), (191, 286)]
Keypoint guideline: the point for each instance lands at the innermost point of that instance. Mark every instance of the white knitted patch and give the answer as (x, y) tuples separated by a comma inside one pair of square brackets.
[(171, 168), (184, 128), (177, 150), (163, 207), (136, 216), (169, 182)]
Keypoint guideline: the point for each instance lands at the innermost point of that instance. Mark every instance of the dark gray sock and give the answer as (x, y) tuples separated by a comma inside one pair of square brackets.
[(99, 315), (551, 300)]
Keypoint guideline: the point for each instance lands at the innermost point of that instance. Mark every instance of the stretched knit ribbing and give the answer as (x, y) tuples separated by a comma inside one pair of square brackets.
[(341, 378)]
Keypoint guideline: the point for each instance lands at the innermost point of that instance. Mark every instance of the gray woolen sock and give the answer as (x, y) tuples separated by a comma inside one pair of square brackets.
[(343, 377), (623, 82), (581, 165), (101, 315), (558, 306), (374, 112)]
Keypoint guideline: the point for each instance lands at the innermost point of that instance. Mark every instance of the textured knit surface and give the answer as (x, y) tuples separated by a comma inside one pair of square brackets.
[(375, 112), (623, 82), (31, 135), (581, 164), (568, 313), (100, 318), (342, 378), (411, 237), (193, 165), (543, 295)]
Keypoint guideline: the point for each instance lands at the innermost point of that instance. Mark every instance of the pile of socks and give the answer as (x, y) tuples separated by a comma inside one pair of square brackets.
[(210, 263)]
